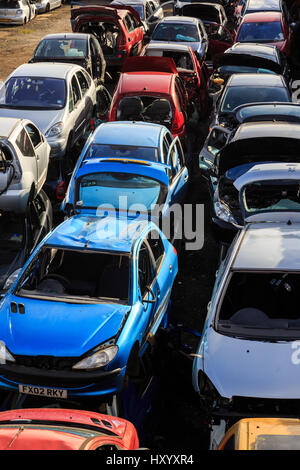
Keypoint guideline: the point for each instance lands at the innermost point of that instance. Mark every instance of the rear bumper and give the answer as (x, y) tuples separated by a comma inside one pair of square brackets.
[(12, 20)]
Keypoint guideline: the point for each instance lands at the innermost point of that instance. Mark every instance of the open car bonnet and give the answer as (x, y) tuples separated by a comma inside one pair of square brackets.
[(254, 112), (103, 11), (203, 11), (248, 60), (270, 193), (257, 149), (149, 64)]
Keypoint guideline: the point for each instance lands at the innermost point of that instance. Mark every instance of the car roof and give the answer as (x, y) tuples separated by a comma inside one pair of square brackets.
[(146, 82), (169, 46), (179, 19), (257, 80), (44, 69), (264, 5), (7, 125), (267, 129), (261, 50), (67, 36), (143, 134), (269, 246), (262, 16), (117, 234)]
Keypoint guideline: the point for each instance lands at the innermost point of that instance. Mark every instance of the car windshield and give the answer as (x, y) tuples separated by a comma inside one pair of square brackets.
[(60, 48), (261, 32), (106, 189), (33, 93), (139, 9), (10, 4), (122, 151), (54, 273), (231, 69), (261, 305), (237, 95), (176, 32)]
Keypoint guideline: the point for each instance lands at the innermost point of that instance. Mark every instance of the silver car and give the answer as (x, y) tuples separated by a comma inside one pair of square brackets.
[(43, 6), (248, 358), (59, 98), (16, 11), (183, 30)]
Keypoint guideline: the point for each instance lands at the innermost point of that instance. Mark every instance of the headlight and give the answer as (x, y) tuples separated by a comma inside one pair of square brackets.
[(11, 279), (55, 130), (5, 355), (99, 359), (223, 213)]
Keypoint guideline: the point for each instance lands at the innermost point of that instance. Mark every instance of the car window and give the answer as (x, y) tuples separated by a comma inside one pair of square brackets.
[(129, 24), (157, 247), (34, 135), (145, 270), (166, 146), (87, 77), (84, 86), (71, 100), (148, 10), (24, 143), (134, 21), (181, 159), (75, 90)]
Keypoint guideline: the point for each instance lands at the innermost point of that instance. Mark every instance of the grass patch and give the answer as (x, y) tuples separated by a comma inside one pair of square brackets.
[(25, 31)]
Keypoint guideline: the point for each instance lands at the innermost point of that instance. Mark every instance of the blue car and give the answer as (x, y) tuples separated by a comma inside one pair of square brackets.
[(126, 179), (78, 320)]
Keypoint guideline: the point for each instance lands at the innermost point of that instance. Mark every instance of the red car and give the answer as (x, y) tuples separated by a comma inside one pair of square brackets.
[(119, 30), (150, 89), (194, 75), (265, 27), (58, 429)]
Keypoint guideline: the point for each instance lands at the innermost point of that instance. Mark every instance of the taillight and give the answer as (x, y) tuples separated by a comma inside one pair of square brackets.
[(60, 191), (92, 124), (174, 249)]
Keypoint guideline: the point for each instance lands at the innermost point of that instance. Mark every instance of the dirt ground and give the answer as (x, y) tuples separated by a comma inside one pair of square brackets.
[(18, 42), (175, 421)]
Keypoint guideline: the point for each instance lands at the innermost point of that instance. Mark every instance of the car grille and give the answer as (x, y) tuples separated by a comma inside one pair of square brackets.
[(46, 362)]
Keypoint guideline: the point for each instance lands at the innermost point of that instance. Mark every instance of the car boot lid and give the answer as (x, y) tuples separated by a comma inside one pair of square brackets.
[(149, 64), (270, 192)]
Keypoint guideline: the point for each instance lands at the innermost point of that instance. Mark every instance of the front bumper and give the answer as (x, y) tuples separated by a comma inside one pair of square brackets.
[(58, 147), (77, 383)]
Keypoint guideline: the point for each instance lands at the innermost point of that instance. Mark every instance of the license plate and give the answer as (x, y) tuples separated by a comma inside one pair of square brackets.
[(43, 391)]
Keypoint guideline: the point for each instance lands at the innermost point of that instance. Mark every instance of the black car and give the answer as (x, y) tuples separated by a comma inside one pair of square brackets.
[(78, 48), (20, 234), (247, 58)]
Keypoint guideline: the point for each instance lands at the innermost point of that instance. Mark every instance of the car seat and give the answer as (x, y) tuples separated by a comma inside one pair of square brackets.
[(130, 109), (159, 111), (114, 282)]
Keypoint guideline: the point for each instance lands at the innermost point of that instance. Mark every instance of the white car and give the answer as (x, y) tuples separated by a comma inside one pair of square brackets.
[(17, 11), (248, 358), (59, 98), (24, 158), (44, 6)]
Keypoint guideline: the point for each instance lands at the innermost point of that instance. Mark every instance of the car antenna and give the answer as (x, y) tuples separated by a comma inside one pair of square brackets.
[(289, 222)]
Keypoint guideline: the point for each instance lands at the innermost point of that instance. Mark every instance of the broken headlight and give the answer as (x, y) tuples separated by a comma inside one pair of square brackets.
[(5, 355), (223, 213), (210, 394), (98, 359)]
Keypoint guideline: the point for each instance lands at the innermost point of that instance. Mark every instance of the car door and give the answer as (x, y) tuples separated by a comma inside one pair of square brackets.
[(76, 109), (147, 286), (219, 39), (28, 158), (178, 174), (137, 34), (42, 152)]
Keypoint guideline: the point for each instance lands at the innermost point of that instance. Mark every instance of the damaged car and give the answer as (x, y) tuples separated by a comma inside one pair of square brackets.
[(184, 30), (248, 357), (78, 48), (247, 58), (249, 88), (194, 75), (24, 159), (149, 11), (238, 152), (106, 280), (118, 30), (150, 89)]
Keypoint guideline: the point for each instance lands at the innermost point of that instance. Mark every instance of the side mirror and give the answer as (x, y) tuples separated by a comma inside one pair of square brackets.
[(148, 301)]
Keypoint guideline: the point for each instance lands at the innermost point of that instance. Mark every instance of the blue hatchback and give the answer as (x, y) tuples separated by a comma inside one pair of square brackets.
[(79, 318)]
